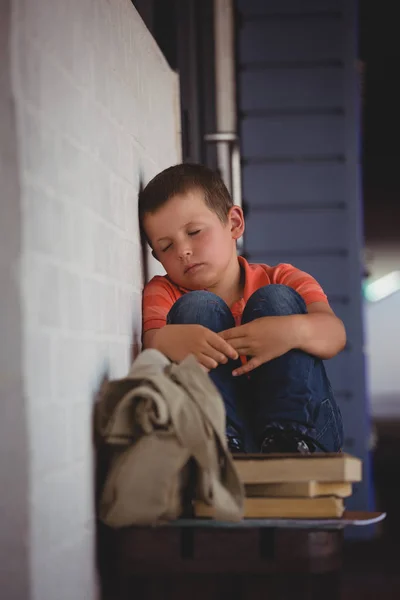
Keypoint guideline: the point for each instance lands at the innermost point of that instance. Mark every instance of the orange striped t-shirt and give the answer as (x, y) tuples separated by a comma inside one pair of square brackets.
[(161, 293)]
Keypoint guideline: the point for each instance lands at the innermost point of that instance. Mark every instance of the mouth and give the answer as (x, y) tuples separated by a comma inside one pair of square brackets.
[(192, 268)]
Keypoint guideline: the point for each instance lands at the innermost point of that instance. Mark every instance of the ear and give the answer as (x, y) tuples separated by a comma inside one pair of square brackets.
[(236, 222)]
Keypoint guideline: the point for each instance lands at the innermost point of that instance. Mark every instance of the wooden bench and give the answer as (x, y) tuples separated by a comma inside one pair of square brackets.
[(207, 560)]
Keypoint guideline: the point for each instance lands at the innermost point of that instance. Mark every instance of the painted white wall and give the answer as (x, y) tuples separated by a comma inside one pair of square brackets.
[(382, 332), (382, 323), (95, 113)]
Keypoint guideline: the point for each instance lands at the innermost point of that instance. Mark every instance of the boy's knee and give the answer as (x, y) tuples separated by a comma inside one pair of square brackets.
[(199, 307), (276, 300), (277, 292), (198, 298)]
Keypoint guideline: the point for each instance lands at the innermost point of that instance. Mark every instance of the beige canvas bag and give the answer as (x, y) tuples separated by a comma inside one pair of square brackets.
[(155, 421)]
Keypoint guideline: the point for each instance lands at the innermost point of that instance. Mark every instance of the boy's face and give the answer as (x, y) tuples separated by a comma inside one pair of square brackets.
[(193, 245)]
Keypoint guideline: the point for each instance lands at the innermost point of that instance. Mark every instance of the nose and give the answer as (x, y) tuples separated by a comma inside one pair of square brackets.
[(184, 251)]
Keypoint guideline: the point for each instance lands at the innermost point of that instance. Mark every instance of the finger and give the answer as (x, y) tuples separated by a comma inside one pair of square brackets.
[(219, 357), (230, 334), (225, 335), (222, 346), (229, 350), (250, 366), (241, 346), (207, 362), (243, 350)]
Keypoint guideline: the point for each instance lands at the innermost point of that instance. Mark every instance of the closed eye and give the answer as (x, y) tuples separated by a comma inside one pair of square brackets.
[(191, 233)]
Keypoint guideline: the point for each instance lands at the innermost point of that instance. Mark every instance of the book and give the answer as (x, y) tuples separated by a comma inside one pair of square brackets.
[(283, 508), (301, 489), (289, 468)]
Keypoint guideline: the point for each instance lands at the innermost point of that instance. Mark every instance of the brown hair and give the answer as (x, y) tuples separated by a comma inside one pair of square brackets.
[(184, 178)]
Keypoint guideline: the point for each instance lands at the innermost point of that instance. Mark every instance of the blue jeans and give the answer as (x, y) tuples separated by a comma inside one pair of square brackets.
[(291, 391)]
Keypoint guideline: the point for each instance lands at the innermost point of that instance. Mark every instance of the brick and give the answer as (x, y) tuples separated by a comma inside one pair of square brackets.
[(125, 309), (30, 67), (72, 379), (83, 224), (83, 58), (71, 300), (39, 150), (41, 292), (129, 220), (110, 318), (107, 142), (39, 223), (119, 359), (39, 367), (31, 15), (131, 213), (130, 256), (118, 259), (49, 443), (66, 573), (101, 87), (80, 429), (62, 102), (125, 156), (98, 180), (60, 507), (72, 171), (91, 295), (117, 201), (102, 241), (47, 223)]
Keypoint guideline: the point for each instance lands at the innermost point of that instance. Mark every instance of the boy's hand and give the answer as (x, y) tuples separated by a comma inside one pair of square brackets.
[(177, 341), (263, 339)]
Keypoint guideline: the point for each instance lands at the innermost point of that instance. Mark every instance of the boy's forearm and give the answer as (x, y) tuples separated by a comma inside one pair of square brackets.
[(320, 334), (169, 341), (158, 339)]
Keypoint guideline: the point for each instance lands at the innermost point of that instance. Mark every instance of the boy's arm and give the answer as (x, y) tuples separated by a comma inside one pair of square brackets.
[(158, 339), (149, 338), (320, 332)]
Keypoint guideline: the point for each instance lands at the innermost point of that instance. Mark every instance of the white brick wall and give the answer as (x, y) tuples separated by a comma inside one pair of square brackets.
[(96, 113)]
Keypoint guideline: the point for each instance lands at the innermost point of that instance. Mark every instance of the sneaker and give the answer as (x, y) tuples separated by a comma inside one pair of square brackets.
[(289, 440), (234, 439)]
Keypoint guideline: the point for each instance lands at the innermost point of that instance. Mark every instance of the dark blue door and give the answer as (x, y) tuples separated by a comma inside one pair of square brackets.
[(300, 129)]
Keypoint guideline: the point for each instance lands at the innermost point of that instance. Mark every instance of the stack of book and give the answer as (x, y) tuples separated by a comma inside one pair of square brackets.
[(294, 486)]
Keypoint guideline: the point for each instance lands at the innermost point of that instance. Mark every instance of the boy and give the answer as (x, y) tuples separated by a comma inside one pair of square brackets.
[(261, 331)]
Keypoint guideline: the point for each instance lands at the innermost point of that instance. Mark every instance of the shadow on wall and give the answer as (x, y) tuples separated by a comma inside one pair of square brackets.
[(101, 463), (136, 343), (101, 454)]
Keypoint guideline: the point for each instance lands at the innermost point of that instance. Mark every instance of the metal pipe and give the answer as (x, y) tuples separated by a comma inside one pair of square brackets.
[(225, 65), (228, 153)]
